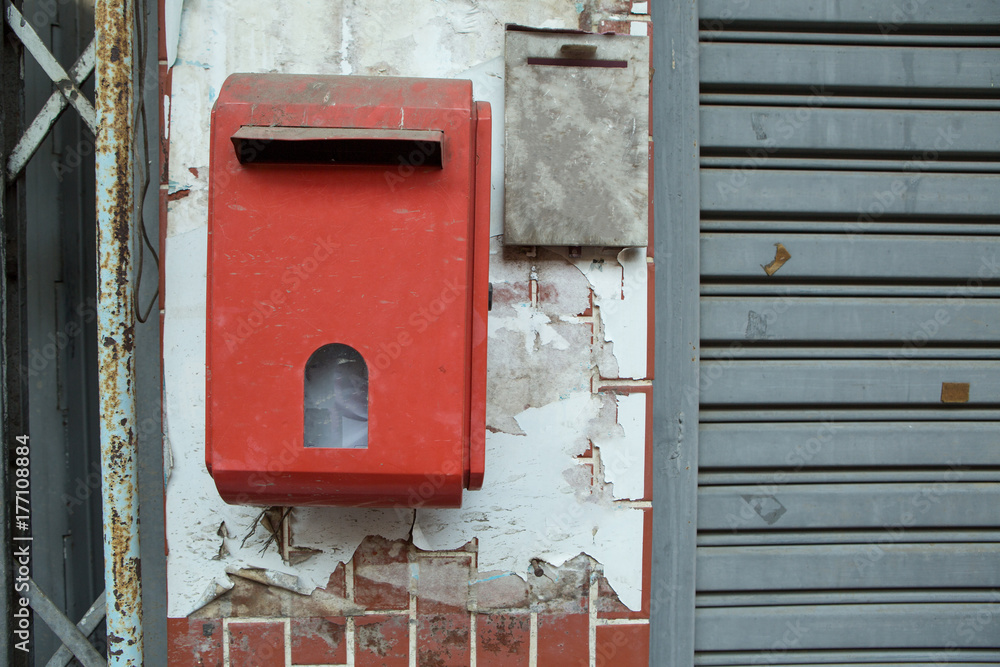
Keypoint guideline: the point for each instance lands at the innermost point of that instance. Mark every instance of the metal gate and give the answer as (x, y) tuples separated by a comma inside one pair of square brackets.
[(847, 506)]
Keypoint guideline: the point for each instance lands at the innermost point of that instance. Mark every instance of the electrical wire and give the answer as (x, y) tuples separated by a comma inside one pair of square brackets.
[(139, 122)]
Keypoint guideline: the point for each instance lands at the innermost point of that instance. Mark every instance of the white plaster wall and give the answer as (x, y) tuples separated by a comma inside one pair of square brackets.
[(534, 504)]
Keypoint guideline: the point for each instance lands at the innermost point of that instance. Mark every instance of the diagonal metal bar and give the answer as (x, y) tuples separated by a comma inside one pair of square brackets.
[(46, 118), (87, 625), (37, 48), (64, 628)]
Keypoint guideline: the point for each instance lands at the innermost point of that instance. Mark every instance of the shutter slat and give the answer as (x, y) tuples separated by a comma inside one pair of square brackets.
[(833, 626), (776, 131), (911, 322), (858, 196), (845, 445), (849, 567), (891, 507), (823, 69), (893, 15)]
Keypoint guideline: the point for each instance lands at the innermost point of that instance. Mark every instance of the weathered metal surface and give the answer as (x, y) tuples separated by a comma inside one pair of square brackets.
[(70, 635), (63, 82), (883, 507), (46, 118), (87, 625), (911, 323), (116, 330), (577, 148), (860, 196), (857, 378), (845, 445), (849, 567), (873, 626), (847, 382), (861, 13), (763, 132), (871, 257), (822, 69), (675, 395)]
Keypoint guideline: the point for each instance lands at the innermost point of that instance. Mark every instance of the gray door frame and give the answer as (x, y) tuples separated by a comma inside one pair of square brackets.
[(675, 121)]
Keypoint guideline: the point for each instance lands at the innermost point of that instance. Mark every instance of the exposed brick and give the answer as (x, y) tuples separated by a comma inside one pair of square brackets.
[(382, 641), (502, 639), (253, 598), (563, 639), (564, 589), (318, 641), (382, 574), (337, 584), (443, 640), (500, 590), (443, 584), (257, 644), (607, 602), (622, 646), (194, 642), (619, 27)]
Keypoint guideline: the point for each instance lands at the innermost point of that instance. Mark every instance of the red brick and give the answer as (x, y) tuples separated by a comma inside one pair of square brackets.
[(194, 643), (619, 27), (318, 641), (337, 584), (257, 644), (563, 639), (443, 640), (502, 640), (381, 641), (443, 584), (382, 574), (622, 646), (651, 323), (498, 590)]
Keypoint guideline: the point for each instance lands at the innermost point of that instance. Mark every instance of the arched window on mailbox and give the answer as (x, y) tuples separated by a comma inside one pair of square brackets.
[(336, 398)]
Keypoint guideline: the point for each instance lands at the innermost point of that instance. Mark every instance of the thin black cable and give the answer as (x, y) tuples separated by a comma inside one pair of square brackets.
[(139, 122)]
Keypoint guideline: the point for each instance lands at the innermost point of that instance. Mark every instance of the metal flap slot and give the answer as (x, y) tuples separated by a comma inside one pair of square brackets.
[(338, 146), (578, 62)]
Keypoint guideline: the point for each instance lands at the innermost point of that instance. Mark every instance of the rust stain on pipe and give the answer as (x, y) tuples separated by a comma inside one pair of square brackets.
[(116, 329)]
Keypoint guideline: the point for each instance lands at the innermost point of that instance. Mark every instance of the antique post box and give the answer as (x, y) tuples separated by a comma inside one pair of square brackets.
[(347, 290)]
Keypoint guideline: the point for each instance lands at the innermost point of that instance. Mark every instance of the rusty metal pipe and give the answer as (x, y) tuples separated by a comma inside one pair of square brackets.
[(116, 329)]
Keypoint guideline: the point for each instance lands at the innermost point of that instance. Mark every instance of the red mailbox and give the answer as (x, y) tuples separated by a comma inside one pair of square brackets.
[(347, 290)]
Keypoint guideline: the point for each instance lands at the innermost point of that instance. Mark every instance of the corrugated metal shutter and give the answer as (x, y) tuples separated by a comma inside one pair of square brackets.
[(848, 496)]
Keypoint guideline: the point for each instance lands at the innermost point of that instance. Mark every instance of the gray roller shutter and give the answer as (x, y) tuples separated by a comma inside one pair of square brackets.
[(848, 504)]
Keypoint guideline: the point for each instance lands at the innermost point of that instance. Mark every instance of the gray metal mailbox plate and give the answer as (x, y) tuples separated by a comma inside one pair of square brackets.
[(577, 139)]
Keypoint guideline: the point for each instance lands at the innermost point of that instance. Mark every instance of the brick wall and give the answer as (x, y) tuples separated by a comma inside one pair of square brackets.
[(393, 604)]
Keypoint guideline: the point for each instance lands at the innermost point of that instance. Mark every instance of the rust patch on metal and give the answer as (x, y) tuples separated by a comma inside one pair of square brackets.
[(954, 392), (781, 255), (180, 194)]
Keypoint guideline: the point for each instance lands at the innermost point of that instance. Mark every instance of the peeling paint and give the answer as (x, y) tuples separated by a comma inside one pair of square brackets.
[(588, 320)]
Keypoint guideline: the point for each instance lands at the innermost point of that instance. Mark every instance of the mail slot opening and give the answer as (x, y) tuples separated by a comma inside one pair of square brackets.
[(338, 146), (336, 398)]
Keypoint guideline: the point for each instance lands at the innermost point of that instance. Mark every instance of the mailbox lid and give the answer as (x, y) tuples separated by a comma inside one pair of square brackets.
[(377, 257), (576, 117)]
